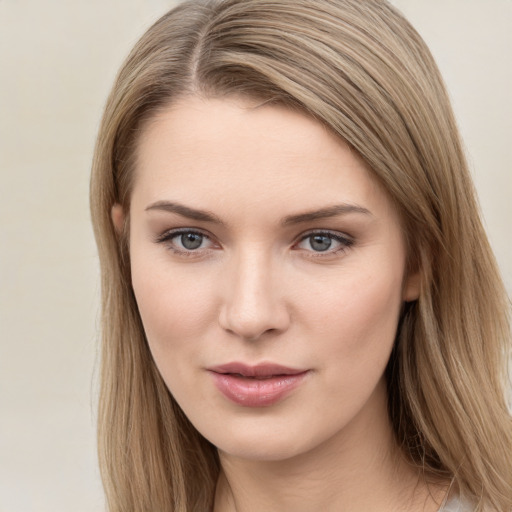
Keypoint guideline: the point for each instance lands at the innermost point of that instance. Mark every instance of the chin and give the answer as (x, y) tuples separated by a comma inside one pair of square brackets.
[(262, 450), (269, 441)]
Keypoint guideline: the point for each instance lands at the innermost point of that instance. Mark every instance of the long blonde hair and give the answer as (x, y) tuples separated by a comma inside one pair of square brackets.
[(361, 69)]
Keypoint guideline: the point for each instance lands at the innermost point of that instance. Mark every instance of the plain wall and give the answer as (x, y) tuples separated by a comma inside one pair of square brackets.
[(57, 62)]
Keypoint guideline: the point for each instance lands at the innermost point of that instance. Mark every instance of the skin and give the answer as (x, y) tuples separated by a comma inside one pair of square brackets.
[(257, 289)]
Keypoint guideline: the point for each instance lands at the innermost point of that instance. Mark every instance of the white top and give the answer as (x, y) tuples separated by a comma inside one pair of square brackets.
[(457, 504)]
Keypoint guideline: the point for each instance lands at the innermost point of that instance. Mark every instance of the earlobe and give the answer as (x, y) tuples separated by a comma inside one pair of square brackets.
[(118, 217), (412, 287)]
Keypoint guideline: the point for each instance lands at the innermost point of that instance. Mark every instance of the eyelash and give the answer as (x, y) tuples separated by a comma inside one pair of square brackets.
[(344, 241), (167, 237)]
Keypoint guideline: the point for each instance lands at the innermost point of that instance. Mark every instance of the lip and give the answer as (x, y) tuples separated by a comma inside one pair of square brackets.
[(256, 386)]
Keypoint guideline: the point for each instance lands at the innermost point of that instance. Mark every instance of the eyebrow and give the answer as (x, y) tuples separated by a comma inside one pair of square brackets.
[(206, 216), (325, 213), (185, 211)]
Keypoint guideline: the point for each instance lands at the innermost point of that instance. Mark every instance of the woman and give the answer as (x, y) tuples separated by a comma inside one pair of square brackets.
[(300, 306)]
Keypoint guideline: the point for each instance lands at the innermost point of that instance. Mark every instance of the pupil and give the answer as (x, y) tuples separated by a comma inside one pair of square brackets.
[(191, 240), (320, 242)]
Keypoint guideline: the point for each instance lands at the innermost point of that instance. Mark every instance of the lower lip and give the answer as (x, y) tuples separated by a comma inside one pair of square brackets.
[(256, 392)]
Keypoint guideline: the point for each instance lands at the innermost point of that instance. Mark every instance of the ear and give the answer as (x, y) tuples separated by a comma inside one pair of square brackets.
[(117, 215), (412, 287)]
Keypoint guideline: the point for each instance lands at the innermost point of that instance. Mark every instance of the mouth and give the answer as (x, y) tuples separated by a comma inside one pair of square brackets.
[(256, 386), (261, 371)]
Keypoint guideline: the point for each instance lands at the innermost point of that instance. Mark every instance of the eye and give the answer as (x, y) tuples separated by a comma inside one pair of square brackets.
[(185, 241), (189, 241), (324, 242)]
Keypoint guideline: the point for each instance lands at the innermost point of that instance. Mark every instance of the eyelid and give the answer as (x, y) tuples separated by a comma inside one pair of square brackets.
[(343, 239), (166, 237), (171, 233)]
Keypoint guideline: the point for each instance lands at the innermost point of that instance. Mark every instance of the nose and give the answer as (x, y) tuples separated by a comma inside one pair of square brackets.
[(253, 304)]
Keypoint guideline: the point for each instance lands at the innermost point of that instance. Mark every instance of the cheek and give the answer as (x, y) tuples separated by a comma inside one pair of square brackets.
[(176, 307), (355, 322), (353, 328), (373, 306)]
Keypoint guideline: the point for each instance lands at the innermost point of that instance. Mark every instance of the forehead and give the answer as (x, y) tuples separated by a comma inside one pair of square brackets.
[(227, 151)]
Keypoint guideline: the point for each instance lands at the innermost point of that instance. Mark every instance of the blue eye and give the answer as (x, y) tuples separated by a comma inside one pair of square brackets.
[(324, 242), (190, 241), (185, 241), (320, 243)]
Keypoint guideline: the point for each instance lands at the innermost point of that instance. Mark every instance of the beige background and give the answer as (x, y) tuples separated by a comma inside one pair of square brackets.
[(57, 61)]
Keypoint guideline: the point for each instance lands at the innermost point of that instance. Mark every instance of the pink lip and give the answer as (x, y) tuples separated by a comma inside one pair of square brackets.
[(256, 386)]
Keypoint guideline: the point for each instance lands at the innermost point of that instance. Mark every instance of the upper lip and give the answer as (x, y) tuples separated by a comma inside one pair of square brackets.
[(258, 370)]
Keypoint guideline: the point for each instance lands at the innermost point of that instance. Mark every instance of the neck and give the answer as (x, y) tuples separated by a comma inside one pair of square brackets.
[(360, 468)]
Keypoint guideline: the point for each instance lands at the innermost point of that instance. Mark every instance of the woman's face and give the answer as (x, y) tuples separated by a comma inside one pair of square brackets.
[(268, 267)]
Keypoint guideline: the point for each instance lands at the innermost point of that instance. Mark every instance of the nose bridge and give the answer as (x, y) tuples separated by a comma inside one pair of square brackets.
[(253, 305)]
